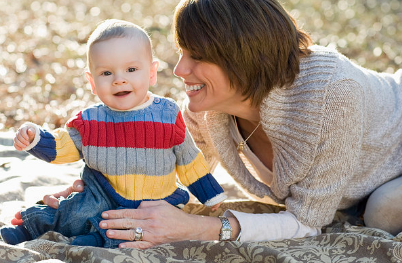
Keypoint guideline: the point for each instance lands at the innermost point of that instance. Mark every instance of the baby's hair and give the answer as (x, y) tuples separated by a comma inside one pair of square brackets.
[(114, 28)]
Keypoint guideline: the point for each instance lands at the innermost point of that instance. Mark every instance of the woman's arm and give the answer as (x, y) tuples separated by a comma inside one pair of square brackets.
[(271, 226), (316, 197)]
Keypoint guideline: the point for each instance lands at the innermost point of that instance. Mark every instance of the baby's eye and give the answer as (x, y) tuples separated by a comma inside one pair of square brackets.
[(106, 73), (132, 69)]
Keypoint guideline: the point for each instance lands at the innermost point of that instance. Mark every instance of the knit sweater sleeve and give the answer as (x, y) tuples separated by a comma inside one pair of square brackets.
[(314, 169), (53, 146), (193, 170), (336, 158)]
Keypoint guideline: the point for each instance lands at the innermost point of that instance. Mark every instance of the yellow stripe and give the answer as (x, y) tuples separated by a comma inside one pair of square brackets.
[(65, 148), (191, 172), (140, 186)]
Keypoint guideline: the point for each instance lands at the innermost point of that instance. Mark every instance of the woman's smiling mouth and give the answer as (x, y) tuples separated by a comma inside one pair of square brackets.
[(193, 87)]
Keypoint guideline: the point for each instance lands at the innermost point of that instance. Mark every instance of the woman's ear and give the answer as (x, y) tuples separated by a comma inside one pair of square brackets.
[(154, 72), (91, 81)]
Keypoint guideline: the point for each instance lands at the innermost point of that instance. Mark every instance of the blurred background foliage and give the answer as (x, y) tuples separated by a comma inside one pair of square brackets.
[(42, 51)]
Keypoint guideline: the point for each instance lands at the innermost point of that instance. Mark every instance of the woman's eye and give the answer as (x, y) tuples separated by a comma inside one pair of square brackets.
[(132, 69), (196, 57), (106, 73)]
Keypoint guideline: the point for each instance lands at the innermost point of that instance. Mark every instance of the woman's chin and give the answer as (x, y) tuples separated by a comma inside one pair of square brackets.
[(193, 108)]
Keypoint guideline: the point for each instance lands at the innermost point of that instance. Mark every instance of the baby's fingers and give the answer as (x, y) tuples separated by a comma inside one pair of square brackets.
[(24, 137), (20, 143), (17, 220), (31, 134)]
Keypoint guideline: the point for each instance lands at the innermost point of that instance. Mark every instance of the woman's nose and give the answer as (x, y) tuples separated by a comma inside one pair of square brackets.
[(182, 68)]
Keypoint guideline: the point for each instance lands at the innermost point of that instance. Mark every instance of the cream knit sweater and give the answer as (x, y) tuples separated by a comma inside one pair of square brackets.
[(336, 135)]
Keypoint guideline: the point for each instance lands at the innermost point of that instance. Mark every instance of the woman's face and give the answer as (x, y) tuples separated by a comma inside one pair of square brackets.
[(207, 85)]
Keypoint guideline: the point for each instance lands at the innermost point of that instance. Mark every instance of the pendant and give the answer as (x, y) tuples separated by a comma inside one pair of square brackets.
[(240, 147)]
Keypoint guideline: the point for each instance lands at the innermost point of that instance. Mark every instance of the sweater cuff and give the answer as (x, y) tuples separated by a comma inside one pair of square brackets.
[(216, 200), (267, 227), (37, 135)]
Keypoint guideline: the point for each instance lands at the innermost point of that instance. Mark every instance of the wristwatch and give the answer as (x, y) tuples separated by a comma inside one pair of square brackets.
[(226, 230)]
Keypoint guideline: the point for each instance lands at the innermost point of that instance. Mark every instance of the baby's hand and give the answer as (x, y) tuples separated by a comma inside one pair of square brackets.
[(215, 207), (24, 137)]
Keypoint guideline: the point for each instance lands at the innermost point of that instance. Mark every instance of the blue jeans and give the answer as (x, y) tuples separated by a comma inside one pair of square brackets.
[(79, 214)]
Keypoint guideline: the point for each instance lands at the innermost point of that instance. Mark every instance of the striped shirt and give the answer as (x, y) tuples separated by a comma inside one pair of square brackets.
[(136, 155)]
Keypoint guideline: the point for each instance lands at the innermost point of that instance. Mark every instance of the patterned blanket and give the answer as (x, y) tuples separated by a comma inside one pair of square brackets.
[(340, 242), (345, 240)]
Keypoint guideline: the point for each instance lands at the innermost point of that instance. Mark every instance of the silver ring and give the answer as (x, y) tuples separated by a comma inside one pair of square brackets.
[(138, 234)]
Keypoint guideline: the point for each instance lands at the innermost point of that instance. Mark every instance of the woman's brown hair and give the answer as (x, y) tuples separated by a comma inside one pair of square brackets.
[(256, 42)]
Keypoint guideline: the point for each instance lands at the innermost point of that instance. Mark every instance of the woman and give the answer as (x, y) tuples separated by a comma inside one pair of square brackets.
[(296, 123)]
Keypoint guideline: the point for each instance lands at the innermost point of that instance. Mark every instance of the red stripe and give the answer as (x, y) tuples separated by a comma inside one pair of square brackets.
[(128, 134), (180, 130)]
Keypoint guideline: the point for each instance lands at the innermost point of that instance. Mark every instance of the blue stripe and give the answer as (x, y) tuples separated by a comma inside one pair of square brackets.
[(46, 147), (205, 188), (179, 196), (165, 112)]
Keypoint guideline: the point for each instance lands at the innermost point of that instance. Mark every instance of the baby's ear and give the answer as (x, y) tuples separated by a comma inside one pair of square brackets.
[(91, 81), (154, 72)]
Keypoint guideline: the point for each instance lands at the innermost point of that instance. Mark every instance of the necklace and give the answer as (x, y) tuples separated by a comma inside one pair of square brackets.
[(240, 146)]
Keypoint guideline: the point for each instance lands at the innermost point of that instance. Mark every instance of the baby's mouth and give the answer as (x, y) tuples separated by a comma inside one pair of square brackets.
[(122, 93)]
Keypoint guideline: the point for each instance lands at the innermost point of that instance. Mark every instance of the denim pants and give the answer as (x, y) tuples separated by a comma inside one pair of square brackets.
[(79, 214)]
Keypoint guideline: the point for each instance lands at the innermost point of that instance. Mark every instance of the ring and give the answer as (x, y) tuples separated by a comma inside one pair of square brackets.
[(138, 234)]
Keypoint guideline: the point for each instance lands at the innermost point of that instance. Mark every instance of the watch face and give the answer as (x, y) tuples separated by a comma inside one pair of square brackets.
[(226, 234)]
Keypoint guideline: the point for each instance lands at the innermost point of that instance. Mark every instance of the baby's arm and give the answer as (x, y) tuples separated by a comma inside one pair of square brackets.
[(51, 146), (24, 137)]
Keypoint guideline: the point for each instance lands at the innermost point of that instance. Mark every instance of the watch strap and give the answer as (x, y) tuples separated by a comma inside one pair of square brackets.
[(226, 230)]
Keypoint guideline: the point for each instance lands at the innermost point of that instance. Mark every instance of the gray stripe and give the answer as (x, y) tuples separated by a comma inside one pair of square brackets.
[(186, 151), (121, 161)]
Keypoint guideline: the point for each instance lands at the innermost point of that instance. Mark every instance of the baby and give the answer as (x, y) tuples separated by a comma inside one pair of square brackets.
[(135, 144)]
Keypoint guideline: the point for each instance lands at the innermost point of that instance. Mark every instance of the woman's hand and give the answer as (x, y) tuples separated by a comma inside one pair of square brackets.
[(53, 201), (160, 222)]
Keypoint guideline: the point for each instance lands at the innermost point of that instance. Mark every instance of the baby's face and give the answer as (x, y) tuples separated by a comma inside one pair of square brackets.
[(121, 72)]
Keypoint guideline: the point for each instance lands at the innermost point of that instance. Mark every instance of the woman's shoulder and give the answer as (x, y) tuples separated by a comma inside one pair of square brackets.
[(317, 68)]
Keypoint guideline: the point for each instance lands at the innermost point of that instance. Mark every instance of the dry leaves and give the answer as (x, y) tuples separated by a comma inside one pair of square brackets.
[(42, 47)]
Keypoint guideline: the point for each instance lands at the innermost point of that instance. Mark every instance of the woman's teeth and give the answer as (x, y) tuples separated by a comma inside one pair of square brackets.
[(194, 87)]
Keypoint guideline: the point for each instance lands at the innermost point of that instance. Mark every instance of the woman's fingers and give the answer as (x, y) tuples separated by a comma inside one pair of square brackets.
[(143, 211), (137, 244), (128, 235), (160, 222), (120, 223)]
